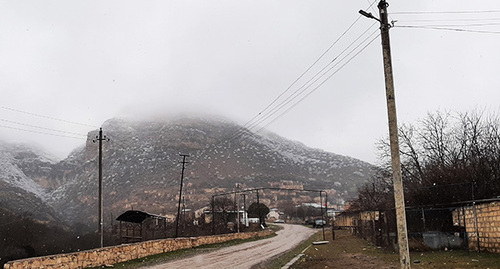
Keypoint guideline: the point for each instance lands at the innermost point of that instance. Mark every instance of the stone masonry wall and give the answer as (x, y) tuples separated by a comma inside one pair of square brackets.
[(121, 253), (488, 225)]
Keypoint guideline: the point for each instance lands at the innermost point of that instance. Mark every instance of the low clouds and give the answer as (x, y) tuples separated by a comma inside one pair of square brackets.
[(88, 61)]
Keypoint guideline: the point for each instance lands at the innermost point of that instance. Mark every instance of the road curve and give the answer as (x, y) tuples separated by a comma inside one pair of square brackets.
[(245, 255)]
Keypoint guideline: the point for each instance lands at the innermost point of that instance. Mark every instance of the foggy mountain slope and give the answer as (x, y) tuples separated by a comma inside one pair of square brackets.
[(141, 167), (19, 193)]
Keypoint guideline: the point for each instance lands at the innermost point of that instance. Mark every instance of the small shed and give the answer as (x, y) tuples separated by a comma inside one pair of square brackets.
[(136, 226)]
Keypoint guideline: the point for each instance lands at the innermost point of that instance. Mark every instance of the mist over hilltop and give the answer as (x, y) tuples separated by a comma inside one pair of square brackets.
[(141, 167)]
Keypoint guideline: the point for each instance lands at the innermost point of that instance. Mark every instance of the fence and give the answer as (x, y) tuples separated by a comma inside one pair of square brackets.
[(471, 225)]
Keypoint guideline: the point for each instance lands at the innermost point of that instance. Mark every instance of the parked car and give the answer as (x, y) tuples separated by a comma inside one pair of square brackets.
[(279, 221), (309, 222), (319, 223)]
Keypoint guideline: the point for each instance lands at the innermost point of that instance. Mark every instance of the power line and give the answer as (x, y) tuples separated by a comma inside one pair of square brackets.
[(371, 6), (242, 130), (445, 12), (302, 89), (38, 132), (305, 87), (246, 128), (447, 29), (321, 84), (43, 128), (47, 117), (461, 25), (450, 20), (305, 96), (303, 73)]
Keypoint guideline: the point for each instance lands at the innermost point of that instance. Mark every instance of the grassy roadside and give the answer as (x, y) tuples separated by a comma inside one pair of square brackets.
[(185, 253), (348, 251)]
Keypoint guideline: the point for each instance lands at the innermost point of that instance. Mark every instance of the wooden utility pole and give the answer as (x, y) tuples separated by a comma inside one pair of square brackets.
[(180, 194), (404, 253), (100, 138)]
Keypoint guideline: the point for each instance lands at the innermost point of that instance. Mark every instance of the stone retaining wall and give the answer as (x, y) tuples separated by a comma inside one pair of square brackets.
[(126, 252)]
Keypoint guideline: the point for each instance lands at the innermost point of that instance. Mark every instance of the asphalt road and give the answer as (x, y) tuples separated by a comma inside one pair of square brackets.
[(245, 255)]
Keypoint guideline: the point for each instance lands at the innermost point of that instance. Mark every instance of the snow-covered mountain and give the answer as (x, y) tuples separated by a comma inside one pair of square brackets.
[(141, 168), (19, 192)]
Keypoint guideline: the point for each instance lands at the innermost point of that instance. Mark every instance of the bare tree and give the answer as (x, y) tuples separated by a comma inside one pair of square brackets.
[(445, 158)]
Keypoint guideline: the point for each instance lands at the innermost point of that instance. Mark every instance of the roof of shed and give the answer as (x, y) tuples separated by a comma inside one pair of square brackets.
[(136, 216)]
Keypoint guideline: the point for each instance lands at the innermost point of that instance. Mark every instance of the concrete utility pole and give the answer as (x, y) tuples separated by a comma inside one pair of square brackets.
[(322, 216), (180, 194), (258, 208), (237, 213), (213, 214), (100, 138), (404, 253)]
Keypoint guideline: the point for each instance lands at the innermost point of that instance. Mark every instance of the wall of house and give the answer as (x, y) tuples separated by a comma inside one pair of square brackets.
[(351, 218), (346, 219), (126, 252), (487, 217)]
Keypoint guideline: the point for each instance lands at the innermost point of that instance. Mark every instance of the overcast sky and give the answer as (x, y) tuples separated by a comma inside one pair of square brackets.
[(89, 61)]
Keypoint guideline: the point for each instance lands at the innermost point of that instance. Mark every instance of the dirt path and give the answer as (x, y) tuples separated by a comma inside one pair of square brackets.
[(245, 255)]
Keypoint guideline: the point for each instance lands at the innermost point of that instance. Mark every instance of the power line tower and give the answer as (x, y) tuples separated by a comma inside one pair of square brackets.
[(180, 193), (99, 139), (404, 253)]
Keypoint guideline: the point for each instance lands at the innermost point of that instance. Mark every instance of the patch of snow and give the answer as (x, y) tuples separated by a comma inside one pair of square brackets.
[(358, 173), (10, 173)]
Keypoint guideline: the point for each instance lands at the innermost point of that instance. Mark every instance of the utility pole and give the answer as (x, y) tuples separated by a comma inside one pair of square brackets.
[(404, 253), (180, 193), (213, 214), (322, 216), (326, 206), (258, 208), (245, 215), (237, 213), (100, 138), (183, 213)]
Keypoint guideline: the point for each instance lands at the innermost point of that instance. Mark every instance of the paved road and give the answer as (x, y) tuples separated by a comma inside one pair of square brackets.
[(245, 255)]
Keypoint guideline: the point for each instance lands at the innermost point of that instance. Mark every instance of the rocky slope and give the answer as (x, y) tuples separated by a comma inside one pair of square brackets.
[(142, 171), (19, 192)]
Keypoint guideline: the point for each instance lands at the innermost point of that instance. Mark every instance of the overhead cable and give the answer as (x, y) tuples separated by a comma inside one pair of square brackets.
[(47, 117), (38, 132), (302, 74), (43, 128), (321, 84), (309, 84), (448, 29), (444, 12)]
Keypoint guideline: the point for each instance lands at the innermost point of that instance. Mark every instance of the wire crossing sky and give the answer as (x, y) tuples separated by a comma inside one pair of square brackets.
[(308, 71)]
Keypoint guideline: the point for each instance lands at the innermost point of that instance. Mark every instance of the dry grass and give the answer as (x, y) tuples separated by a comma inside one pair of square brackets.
[(351, 252)]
